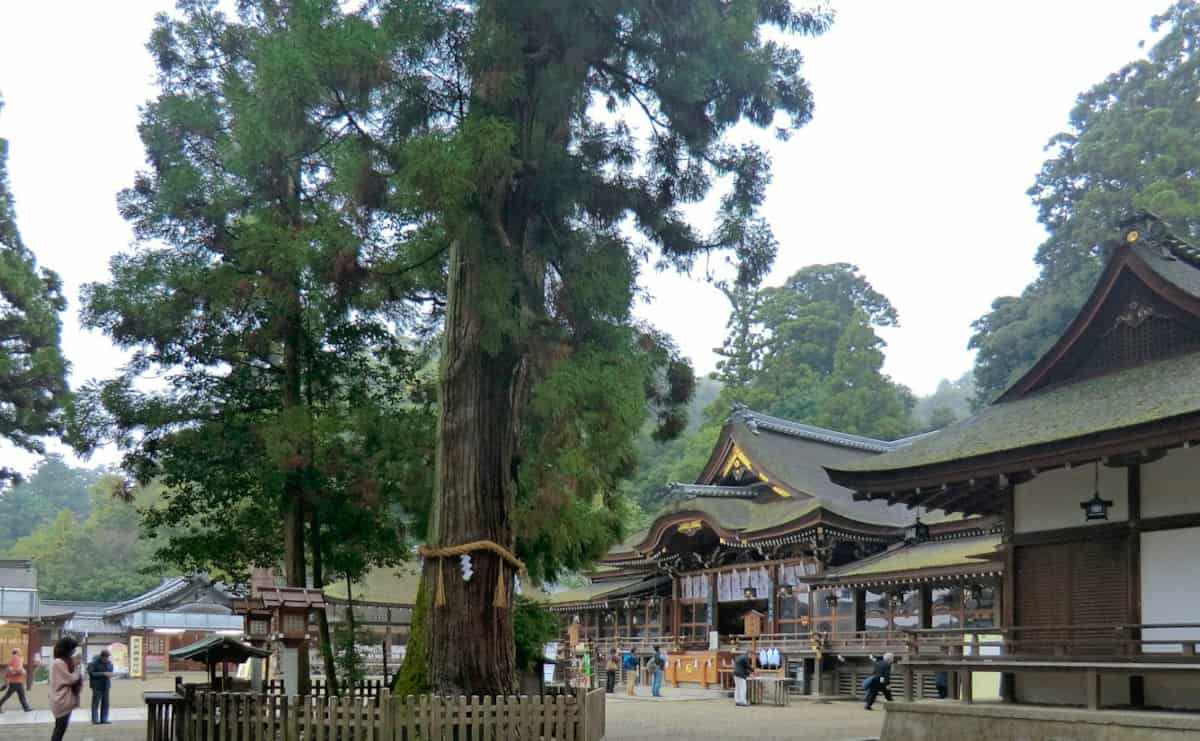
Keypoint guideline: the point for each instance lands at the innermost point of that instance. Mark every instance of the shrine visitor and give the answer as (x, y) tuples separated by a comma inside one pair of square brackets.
[(879, 680), (630, 664), (742, 670), (658, 663), (14, 677), (66, 681), (610, 671), (100, 672)]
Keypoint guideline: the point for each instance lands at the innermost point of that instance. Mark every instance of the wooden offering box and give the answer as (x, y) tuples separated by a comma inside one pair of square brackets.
[(696, 667)]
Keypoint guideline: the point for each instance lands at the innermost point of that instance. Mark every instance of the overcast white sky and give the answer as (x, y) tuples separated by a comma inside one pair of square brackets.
[(929, 126)]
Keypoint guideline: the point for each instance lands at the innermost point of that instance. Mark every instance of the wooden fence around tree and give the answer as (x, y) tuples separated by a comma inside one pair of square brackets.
[(212, 716)]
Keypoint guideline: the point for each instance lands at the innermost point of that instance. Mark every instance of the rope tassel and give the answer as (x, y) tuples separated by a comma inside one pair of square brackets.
[(501, 590), (439, 599)]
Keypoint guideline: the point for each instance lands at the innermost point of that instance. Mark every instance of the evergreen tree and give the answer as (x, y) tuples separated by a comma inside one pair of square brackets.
[(99, 557), (1130, 146), (33, 372), (532, 186), (264, 295), (52, 487), (819, 359)]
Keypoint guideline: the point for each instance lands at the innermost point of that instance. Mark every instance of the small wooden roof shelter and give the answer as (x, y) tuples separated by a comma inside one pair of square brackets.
[(219, 649)]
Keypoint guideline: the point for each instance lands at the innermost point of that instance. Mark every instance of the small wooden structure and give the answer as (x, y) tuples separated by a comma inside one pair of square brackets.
[(752, 624), (219, 649)]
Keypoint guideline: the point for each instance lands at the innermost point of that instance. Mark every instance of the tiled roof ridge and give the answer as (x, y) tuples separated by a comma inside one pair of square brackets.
[(750, 491), (756, 421), (168, 588)]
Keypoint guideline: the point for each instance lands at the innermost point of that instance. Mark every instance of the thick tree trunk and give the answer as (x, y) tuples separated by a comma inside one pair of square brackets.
[(294, 520), (323, 617), (469, 646)]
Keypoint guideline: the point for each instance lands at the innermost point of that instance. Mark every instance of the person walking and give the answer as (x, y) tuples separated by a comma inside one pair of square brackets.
[(658, 663), (66, 681), (630, 664), (610, 671), (100, 672), (14, 677), (879, 680), (742, 671)]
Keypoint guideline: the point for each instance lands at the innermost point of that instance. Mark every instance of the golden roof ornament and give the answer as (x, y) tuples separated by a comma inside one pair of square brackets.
[(1132, 236)]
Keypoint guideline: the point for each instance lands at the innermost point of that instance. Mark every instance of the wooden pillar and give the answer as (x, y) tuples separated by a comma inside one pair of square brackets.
[(675, 606), (711, 604), (1005, 613), (772, 613), (1137, 687), (1093, 689)]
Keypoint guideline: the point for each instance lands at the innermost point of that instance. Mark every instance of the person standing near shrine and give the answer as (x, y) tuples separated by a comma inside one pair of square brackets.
[(66, 681), (742, 671), (14, 677), (610, 671), (879, 680), (630, 664), (100, 672), (658, 663)]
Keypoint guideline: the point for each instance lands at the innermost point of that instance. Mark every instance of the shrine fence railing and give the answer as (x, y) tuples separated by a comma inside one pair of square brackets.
[(1087, 650), (212, 716)]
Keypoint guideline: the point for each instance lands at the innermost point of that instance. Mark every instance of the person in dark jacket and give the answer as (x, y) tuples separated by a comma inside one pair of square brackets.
[(879, 680), (942, 683), (743, 669), (100, 672), (610, 671)]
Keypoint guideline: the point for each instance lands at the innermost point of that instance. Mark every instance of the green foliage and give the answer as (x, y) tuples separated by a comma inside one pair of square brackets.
[(54, 486), (1130, 146), (660, 463), (413, 678), (351, 668), (815, 356), (33, 371), (99, 557), (264, 294), (533, 626)]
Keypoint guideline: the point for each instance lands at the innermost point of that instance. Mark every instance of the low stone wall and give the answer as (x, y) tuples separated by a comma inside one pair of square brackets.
[(935, 721)]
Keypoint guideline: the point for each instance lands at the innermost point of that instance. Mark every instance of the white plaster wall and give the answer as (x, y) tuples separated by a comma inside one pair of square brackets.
[(1170, 594), (1170, 485), (1069, 689), (1050, 501)]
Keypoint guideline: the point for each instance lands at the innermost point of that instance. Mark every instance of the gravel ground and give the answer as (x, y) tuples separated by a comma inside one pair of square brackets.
[(719, 720), (643, 719), (78, 732)]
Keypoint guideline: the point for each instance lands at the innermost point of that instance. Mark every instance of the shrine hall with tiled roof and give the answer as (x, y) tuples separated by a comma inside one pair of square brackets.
[(1135, 343)]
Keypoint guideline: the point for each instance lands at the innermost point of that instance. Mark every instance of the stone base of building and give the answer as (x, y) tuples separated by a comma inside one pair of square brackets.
[(935, 721)]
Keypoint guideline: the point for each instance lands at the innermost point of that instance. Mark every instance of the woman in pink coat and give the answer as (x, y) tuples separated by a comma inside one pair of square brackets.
[(66, 680)]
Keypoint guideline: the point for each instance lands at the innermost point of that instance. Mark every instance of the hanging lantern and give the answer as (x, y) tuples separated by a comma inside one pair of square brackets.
[(1096, 508)]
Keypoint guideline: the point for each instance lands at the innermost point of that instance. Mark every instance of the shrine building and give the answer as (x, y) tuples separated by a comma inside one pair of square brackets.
[(764, 549), (1089, 462)]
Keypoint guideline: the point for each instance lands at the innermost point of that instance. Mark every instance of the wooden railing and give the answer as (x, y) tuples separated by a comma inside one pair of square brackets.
[(1087, 650), (1065, 642), (211, 716)]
